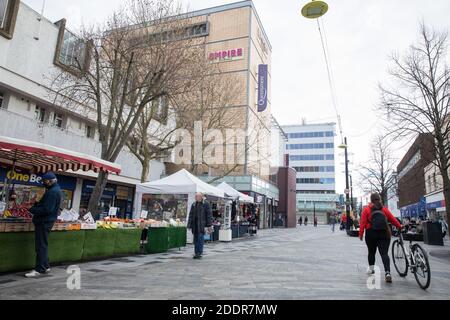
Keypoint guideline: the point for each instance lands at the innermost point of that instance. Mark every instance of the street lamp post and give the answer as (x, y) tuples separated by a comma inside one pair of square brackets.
[(347, 185), (351, 194)]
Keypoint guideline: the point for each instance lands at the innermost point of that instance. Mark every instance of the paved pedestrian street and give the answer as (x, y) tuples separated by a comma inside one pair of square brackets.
[(302, 263)]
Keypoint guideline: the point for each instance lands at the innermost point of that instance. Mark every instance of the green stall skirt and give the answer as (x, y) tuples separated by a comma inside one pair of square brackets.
[(66, 246), (99, 243), (128, 241), (17, 251), (158, 240)]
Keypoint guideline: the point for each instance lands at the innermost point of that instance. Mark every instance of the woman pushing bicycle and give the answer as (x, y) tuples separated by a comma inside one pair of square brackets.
[(375, 223)]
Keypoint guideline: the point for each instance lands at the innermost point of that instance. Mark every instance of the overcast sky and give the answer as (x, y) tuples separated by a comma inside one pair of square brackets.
[(361, 34)]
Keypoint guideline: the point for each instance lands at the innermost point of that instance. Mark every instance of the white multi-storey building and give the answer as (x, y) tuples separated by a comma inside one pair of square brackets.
[(31, 49), (311, 149)]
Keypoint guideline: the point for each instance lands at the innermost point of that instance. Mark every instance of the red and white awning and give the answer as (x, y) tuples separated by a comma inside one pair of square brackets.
[(41, 158)]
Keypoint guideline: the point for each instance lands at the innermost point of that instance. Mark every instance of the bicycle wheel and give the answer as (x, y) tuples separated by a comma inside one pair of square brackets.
[(399, 257), (422, 271)]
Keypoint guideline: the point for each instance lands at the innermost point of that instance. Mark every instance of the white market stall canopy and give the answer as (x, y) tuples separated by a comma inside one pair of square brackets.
[(41, 158), (182, 182), (233, 193)]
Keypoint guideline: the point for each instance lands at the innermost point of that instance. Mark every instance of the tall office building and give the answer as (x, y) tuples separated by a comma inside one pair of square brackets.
[(311, 150)]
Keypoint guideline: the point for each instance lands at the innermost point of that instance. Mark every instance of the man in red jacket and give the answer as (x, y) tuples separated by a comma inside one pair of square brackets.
[(374, 221)]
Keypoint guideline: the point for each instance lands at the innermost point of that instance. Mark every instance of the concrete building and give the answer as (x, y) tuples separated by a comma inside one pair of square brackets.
[(31, 49), (235, 40), (434, 195), (411, 176), (311, 149)]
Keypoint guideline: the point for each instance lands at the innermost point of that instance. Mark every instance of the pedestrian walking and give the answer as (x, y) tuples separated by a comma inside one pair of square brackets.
[(200, 222), (300, 221), (45, 213), (306, 220), (333, 222), (374, 222), (316, 221), (344, 221)]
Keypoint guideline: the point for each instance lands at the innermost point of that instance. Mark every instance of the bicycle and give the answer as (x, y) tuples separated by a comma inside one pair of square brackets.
[(413, 259)]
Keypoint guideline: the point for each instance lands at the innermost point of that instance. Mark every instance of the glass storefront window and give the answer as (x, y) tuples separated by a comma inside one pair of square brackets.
[(165, 206)]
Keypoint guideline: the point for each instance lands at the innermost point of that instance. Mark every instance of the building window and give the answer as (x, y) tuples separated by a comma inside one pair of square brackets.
[(2, 101), (303, 135), (316, 181), (8, 16), (72, 53), (39, 113), (58, 120), (90, 133), (319, 157), (310, 146)]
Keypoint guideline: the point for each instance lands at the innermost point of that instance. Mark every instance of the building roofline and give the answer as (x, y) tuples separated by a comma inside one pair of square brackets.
[(276, 124), (309, 125), (230, 6)]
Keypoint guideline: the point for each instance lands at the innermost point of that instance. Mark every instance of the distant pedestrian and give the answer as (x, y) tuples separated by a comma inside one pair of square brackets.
[(300, 221), (45, 213), (316, 221), (200, 219), (306, 220), (374, 222), (333, 222), (344, 221)]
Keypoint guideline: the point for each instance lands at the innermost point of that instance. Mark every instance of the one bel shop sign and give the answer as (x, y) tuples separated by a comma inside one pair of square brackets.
[(31, 179)]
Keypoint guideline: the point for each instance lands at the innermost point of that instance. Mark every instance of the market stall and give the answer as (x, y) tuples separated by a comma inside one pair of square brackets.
[(243, 217), (73, 238), (172, 197)]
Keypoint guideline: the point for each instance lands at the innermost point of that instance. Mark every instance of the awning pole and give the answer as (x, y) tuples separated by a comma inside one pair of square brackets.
[(8, 180)]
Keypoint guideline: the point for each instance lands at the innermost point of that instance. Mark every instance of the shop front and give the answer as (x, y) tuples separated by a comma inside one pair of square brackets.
[(117, 196), (416, 210), (436, 206), (27, 187)]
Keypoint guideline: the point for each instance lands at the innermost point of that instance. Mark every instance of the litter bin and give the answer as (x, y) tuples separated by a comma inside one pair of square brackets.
[(432, 233)]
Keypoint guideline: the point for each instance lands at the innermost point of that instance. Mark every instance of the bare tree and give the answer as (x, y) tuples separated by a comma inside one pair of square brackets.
[(418, 100), (153, 136), (212, 108), (142, 53), (378, 174)]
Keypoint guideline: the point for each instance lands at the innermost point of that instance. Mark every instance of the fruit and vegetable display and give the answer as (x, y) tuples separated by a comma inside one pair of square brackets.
[(19, 211)]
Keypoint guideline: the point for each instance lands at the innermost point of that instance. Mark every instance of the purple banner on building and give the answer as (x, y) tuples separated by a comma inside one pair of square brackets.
[(263, 82)]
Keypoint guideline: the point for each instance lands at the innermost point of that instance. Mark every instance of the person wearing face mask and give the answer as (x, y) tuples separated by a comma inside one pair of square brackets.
[(374, 222), (45, 213)]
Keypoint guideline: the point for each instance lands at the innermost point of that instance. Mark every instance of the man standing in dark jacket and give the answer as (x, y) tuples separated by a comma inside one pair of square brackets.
[(45, 213), (200, 218)]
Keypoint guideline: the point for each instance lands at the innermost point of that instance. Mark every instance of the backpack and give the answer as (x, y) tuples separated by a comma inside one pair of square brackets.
[(378, 220)]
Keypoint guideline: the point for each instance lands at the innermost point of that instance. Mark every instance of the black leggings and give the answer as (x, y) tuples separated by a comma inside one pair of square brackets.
[(378, 239)]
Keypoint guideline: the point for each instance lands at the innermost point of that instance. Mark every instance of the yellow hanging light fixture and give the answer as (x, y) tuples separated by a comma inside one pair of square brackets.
[(315, 9)]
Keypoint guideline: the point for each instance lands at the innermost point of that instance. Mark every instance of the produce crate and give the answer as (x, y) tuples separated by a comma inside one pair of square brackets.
[(74, 227), (127, 241), (158, 240), (99, 243), (61, 227), (88, 226), (17, 251), (17, 227), (66, 246)]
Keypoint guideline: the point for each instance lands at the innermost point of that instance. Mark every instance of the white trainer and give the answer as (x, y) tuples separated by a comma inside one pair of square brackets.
[(33, 274), (371, 270), (48, 270)]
